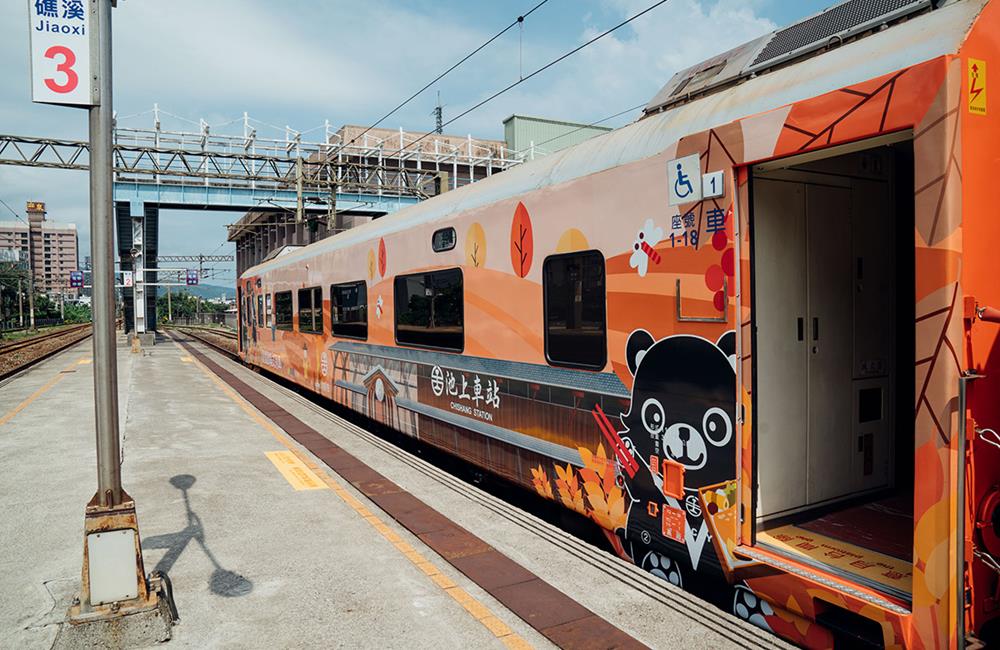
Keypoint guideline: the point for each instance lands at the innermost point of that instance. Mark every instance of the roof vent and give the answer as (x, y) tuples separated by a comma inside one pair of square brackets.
[(841, 21)]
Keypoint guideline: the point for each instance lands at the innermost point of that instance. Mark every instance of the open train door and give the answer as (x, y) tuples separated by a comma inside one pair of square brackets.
[(832, 272)]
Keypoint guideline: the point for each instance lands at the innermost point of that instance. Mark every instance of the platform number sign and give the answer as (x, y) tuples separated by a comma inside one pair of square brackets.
[(76, 279), (60, 52), (192, 277)]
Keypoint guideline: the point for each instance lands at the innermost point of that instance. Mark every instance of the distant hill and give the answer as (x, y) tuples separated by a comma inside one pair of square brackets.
[(206, 291)]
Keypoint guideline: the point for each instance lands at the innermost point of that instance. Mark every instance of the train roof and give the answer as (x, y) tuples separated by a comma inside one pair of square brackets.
[(921, 37)]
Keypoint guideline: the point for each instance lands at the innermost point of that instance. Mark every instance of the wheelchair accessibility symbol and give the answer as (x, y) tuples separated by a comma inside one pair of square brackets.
[(684, 180), (682, 186)]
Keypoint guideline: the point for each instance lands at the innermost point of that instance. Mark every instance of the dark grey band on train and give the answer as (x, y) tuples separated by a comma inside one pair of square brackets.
[(544, 447), (606, 383)]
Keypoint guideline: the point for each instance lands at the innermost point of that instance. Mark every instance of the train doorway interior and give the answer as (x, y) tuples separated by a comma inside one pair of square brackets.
[(833, 286)]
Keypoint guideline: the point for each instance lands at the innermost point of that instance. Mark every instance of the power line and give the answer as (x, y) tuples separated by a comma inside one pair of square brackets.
[(539, 70), (518, 21), (16, 215)]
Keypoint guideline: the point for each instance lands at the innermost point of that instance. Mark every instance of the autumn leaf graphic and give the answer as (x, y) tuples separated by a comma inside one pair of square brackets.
[(371, 264), (569, 489), (606, 499), (521, 241), (475, 246), (541, 482), (381, 257)]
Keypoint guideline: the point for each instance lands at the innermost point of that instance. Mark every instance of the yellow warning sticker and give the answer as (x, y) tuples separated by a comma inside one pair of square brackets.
[(295, 471), (977, 86)]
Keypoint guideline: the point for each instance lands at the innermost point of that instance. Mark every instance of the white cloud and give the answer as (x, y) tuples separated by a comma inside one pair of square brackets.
[(298, 62)]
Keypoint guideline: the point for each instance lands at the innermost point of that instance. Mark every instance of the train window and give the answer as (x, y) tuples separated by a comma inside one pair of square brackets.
[(443, 240), (311, 310), (267, 310), (430, 310), (575, 311), (349, 310), (283, 310), (260, 311)]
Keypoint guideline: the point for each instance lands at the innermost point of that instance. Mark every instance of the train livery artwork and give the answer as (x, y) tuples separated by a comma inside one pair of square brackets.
[(756, 393)]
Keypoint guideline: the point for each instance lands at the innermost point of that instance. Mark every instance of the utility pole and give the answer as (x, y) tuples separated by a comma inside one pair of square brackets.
[(62, 308), (31, 299), (170, 313), (20, 303)]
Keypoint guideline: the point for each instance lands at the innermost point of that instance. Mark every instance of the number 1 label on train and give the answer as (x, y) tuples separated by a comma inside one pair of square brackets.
[(60, 52)]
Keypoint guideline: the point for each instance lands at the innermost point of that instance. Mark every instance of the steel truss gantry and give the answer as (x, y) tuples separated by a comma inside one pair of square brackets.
[(369, 172)]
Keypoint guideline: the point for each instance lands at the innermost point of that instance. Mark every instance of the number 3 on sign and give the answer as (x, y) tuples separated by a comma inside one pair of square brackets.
[(65, 67)]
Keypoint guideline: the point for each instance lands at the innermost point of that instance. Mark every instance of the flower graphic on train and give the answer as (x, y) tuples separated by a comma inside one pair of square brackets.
[(643, 251), (720, 278)]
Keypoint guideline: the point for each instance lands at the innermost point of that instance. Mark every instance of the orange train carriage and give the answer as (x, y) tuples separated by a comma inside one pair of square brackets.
[(743, 334)]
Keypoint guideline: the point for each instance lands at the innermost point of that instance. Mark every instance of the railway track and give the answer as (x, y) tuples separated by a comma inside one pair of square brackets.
[(20, 355), (222, 340)]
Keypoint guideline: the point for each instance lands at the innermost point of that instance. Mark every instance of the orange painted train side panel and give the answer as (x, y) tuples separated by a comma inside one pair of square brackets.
[(979, 113), (501, 252)]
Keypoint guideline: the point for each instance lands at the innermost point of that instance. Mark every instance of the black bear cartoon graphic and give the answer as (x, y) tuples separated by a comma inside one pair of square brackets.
[(682, 415)]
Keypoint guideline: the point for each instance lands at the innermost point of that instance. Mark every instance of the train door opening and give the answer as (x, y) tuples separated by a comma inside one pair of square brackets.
[(833, 350)]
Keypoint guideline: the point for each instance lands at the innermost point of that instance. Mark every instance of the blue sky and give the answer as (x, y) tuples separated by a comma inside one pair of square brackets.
[(300, 62)]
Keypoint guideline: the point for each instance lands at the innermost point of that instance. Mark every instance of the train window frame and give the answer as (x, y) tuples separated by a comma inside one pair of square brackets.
[(448, 244), (260, 310), (571, 363), (268, 314), (397, 280), (288, 326), (363, 302), (313, 293)]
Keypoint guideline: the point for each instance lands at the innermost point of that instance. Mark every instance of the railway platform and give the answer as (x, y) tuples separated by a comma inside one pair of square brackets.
[(282, 525)]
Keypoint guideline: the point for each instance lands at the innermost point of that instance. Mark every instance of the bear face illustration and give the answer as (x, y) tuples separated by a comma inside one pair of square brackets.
[(682, 413)]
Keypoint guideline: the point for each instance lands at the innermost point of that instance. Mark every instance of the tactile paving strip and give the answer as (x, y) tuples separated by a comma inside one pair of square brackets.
[(559, 618)]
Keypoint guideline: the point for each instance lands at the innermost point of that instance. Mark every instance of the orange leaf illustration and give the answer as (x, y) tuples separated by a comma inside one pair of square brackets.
[(381, 257), (606, 500), (521, 241), (569, 488), (540, 480)]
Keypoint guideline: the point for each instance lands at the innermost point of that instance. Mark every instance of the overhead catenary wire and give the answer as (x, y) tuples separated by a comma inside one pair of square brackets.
[(16, 215), (518, 21), (545, 67)]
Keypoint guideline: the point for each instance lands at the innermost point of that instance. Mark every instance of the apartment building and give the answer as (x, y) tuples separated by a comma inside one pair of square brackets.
[(50, 248)]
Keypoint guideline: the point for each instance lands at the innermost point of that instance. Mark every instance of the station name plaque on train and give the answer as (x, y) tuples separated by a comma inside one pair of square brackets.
[(467, 393), (60, 52)]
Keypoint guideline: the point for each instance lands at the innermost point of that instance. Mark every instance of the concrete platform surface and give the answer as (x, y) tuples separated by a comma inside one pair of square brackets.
[(256, 562)]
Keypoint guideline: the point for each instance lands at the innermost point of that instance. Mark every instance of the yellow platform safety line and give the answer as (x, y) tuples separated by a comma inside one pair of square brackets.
[(41, 391), (295, 471), (469, 603)]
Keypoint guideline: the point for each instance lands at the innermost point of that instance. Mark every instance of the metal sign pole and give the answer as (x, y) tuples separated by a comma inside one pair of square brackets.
[(117, 606), (109, 480)]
